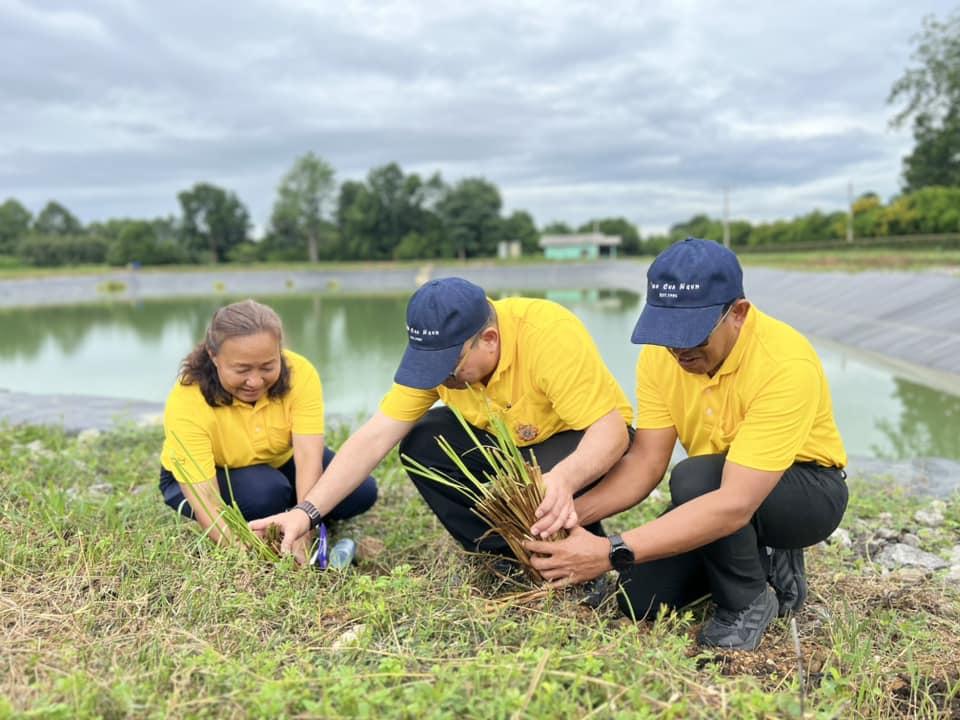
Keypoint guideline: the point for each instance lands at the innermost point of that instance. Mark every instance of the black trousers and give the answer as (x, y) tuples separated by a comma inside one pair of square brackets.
[(451, 507), (805, 506), (262, 490)]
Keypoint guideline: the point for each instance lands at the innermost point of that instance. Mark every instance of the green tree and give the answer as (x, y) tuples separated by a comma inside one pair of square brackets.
[(404, 209), (867, 214), (930, 210), (391, 215), (149, 242), (929, 94), (304, 200), (14, 224), (938, 208), (55, 219), (557, 227), (699, 226), (392, 196), (470, 212), (213, 219), (356, 221), (520, 226)]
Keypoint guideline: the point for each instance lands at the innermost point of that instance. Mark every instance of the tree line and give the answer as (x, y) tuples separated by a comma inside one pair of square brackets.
[(391, 215)]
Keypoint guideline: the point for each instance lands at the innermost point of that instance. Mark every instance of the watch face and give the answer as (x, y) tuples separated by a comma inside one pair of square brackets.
[(621, 557)]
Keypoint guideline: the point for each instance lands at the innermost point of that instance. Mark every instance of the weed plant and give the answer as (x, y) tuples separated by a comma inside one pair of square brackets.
[(507, 496), (226, 515)]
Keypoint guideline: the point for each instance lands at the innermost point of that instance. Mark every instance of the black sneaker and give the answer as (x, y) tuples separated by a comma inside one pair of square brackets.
[(740, 629), (789, 579)]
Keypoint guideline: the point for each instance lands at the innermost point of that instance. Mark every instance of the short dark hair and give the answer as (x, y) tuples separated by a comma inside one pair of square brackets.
[(239, 319)]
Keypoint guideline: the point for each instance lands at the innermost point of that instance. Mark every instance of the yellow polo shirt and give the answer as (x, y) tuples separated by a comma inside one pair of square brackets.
[(550, 378), (767, 407), (240, 434)]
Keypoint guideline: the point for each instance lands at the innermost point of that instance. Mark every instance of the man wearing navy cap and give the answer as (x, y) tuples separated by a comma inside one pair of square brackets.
[(747, 398), (532, 362)]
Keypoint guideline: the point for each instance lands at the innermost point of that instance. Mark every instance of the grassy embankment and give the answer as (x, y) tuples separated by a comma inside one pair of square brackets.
[(111, 607), (853, 260), (857, 259), (18, 272)]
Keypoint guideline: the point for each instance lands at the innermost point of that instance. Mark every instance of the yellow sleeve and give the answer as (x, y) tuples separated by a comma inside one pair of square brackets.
[(653, 413), (570, 371), (306, 397), (187, 445), (407, 404), (779, 419)]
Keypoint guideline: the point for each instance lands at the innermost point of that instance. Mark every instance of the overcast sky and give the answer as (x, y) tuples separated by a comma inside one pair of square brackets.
[(575, 110)]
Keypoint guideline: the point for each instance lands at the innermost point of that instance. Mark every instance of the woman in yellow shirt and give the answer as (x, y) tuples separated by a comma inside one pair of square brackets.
[(245, 408)]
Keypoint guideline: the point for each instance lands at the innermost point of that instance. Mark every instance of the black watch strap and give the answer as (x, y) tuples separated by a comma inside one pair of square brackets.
[(311, 510)]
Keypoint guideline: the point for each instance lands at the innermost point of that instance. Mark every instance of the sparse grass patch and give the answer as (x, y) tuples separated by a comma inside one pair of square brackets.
[(110, 287), (111, 607)]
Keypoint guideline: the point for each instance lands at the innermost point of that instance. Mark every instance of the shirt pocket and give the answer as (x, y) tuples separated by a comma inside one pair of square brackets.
[(528, 421)]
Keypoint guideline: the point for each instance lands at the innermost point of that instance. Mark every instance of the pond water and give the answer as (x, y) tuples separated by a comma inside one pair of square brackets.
[(132, 351)]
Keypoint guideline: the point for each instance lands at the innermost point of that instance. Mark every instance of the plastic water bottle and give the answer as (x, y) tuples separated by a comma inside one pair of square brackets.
[(341, 555)]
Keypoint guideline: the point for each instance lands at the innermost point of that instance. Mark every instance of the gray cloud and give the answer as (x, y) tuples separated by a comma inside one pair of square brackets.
[(574, 110)]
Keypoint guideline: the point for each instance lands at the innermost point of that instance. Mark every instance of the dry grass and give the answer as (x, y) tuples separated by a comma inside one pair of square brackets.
[(507, 496)]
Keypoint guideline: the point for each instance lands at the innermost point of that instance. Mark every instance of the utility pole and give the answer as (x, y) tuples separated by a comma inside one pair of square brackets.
[(726, 217), (850, 211)]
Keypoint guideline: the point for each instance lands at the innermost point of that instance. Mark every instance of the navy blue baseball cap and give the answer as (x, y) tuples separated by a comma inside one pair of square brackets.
[(688, 285), (441, 316)]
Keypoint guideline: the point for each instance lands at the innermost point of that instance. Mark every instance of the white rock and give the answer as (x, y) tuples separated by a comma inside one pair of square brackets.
[(88, 435), (910, 574), (101, 489), (841, 537), (349, 637), (150, 420), (900, 555), (910, 539), (931, 518), (885, 517), (954, 574), (885, 533), (955, 555)]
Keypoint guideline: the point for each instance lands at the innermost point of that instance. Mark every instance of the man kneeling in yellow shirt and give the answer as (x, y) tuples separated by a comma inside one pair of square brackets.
[(531, 361), (747, 397)]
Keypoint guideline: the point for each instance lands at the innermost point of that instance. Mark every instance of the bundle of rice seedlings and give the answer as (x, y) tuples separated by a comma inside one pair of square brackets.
[(507, 496), (227, 515)]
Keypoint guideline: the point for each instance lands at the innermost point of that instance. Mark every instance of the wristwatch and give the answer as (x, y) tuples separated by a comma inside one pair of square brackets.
[(621, 556), (311, 510)]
